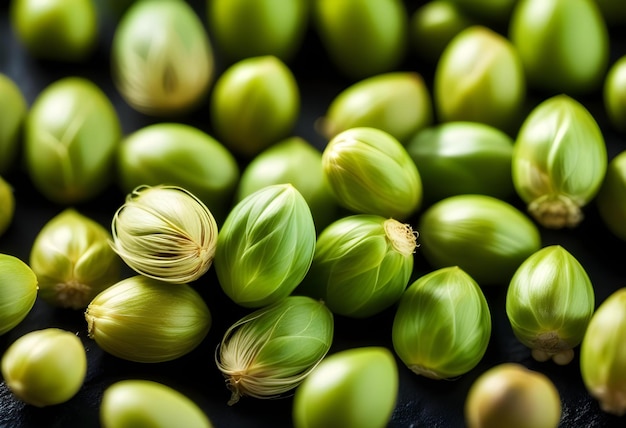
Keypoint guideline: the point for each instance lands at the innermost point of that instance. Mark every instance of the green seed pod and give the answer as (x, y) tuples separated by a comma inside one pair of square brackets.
[(603, 354), (431, 342), (559, 161), (145, 403), (165, 233), (60, 30), (511, 395), (13, 110), (73, 260), (370, 172), (255, 355), (161, 56), (71, 134), (362, 264), (7, 205), (179, 155), (611, 199), (244, 28), (362, 38), (479, 78), (353, 388), (18, 291), (295, 161), (559, 57), (549, 303), (148, 321), (486, 237), (456, 158), (433, 25), (45, 367), (614, 94), (255, 103), (396, 102), (266, 246)]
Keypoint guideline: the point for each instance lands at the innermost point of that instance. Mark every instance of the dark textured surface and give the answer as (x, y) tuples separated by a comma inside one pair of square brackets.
[(422, 402)]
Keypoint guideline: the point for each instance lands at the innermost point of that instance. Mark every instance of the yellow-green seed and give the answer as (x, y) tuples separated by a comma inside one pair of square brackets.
[(18, 291)]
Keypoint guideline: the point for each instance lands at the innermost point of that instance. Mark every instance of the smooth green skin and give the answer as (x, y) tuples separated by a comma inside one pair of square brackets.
[(60, 30), (427, 338), (362, 38), (603, 354), (613, 11), (356, 269), (433, 25), (71, 135), (135, 403), (265, 246), (371, 172), (7, 205), (254, 103), (550, 292), (611, 199), (293, 160), (144, 320), (456, 158), (557, 56), (480, 78), (275, 347), (162, 60), (247, 28), (13, 109), (510, 395), (353, 388), (398, 103), (560, 160), (614, 94), (486, 237), (73, 260), (180, 155), (45, 367), (18, 291)]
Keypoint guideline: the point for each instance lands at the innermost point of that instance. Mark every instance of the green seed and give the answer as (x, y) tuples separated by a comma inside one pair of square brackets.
[(353, 388), (511, 395), (398, 103), (362, 264), (430, 341), (611, 199), (295, 161), (559, 161), (480, 78), (273, 349), (144, 320), (45, 367), (614, 94), (71, 134), (254, 104), (362, 38), (179, 155), (266, 246), (370, 172), (144, 403), (7, 205), (603, 354), (73, 260), (558, 56), (161, 57), (456, 158), (13, 111), (549, 303), (18, 291), (486, 237)]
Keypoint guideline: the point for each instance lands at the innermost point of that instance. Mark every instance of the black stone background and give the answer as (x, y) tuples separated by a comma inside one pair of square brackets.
[(421, 403)]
